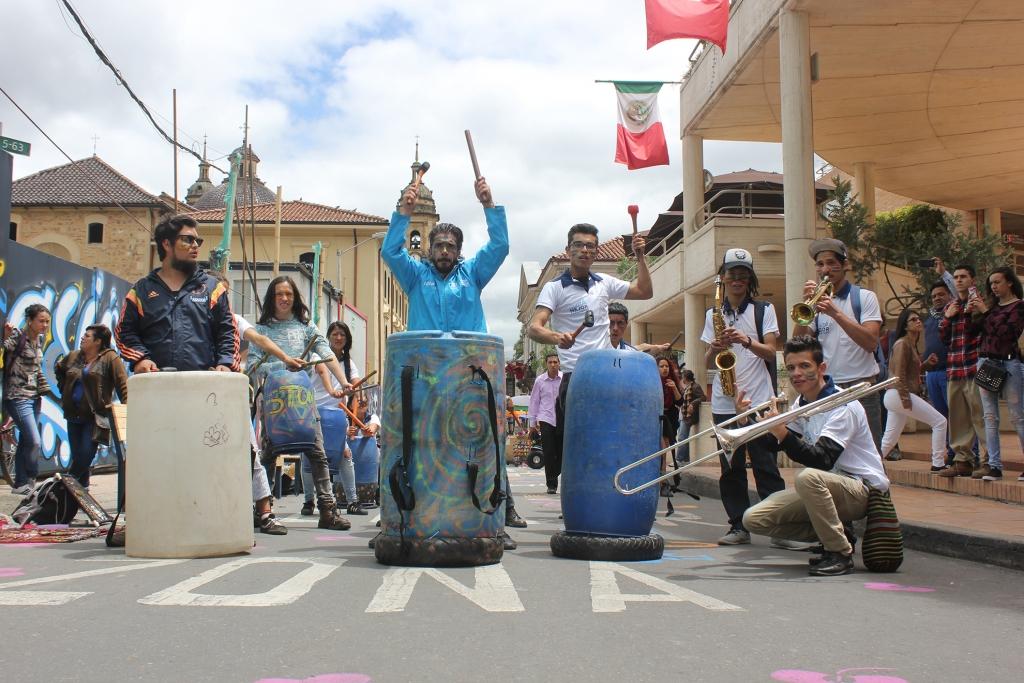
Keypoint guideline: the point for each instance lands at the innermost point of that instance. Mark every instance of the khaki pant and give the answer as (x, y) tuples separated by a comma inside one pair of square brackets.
[(813, 510), (966, 420)]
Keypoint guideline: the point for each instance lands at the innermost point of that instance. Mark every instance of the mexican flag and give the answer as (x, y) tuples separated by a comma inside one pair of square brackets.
[(641, 138)]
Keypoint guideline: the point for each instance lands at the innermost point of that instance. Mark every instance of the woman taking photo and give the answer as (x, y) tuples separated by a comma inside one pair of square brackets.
[(905, 401), (1000, 320), (87, 380), (24, 386)]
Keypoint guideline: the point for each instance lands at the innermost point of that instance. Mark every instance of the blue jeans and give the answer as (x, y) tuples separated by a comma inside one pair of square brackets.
[(346, 471), (1013, 389), (683, 452), (83, 450), (25, 413)]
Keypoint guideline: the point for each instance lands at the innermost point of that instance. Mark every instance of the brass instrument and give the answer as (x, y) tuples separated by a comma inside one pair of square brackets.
[(803, 312), (725, 361)]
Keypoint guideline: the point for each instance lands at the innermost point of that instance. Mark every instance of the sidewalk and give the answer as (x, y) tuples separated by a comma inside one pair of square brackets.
[(955, 525)]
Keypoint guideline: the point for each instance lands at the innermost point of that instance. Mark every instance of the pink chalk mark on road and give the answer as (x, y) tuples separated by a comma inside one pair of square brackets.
[(322, 678), (841, 676), (11, 572), (327, 539), (896, 587)]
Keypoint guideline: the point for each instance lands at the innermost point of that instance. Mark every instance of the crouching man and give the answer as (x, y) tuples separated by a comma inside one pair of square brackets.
[(842, 464)]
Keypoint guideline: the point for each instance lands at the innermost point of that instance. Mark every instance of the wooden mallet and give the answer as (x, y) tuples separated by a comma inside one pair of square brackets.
[(422, 171), (633, 210)]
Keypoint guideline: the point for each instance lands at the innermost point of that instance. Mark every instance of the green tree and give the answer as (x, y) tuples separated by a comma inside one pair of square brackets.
[(848, 221)]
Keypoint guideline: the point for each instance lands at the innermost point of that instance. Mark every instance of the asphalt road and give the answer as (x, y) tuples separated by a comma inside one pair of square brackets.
[(316, 605)]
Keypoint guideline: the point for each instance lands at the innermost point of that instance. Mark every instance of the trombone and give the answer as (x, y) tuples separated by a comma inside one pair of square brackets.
[(803, 313), (732, 439), (668, 475)]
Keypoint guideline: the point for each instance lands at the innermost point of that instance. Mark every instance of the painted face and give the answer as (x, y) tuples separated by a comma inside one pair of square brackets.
[(616, 328), (804, 373), (284, 297), (828, 263), (962, 280), (582, 251), (444, 253), (940, 297)]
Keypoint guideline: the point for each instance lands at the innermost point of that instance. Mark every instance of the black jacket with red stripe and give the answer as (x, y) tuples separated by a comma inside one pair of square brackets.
[(191, 329)]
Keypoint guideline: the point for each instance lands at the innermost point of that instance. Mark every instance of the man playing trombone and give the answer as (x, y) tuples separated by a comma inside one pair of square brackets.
[(840, 458), (749, 333)]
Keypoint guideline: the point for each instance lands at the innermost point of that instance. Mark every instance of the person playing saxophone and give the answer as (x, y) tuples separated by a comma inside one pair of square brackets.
[(748, 330)]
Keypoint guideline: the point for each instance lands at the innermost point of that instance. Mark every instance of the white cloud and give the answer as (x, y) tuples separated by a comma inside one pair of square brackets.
[(338, 91)]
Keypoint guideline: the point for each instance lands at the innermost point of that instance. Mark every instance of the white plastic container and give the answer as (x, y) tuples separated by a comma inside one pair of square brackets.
[(188, 477)]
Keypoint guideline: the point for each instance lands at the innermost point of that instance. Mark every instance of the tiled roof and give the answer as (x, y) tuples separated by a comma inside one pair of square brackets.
[(67, 186), (754, 176), (292, 212), (612, 250)]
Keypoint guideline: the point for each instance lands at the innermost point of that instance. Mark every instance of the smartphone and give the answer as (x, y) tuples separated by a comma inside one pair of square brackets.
[(926, 263), (972, 292)]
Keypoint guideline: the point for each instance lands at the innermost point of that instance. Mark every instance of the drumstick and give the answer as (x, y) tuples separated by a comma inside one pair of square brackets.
[(355, 420), (674, 340), (361, 380), (633, 210), (472, 154)]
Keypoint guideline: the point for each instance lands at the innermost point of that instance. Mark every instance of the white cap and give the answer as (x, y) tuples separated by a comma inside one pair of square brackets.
[(737, 257)]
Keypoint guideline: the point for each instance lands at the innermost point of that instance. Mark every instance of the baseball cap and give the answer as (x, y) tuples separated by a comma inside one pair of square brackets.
[(737, 257), (827, 244)]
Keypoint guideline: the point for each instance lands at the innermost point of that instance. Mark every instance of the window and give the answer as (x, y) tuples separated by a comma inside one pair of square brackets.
[(14, 232), (95, 233)]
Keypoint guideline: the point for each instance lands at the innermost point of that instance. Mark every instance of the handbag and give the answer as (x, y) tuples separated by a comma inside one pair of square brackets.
[(991, 376)]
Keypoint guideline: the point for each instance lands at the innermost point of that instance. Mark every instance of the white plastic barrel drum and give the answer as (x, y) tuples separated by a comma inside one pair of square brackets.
[(188, 472)]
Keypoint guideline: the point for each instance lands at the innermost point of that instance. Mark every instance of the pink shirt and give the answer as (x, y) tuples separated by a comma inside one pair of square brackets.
[(542, 399)]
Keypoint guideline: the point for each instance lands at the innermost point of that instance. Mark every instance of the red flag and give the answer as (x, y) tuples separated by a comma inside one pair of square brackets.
[(703, 19)]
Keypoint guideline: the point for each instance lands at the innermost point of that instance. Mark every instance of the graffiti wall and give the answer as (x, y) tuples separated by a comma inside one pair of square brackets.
[(77, 297)]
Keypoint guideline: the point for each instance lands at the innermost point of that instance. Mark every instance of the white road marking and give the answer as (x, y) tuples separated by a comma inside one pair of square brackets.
[(493, 591), (9, 597), (284, 593), (606, 597), (38, 598)]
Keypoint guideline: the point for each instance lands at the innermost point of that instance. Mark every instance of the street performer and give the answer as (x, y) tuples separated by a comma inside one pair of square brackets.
[(842, 465)]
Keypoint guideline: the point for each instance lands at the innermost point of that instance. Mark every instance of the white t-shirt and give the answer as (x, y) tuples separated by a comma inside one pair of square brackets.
[(243, 325), (846, 360), (569, 301), (751, 370), (847, 425), (322, 397)]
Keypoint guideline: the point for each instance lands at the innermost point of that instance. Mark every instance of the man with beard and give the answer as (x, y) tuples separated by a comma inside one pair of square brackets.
[(178, 316), (444, 293)]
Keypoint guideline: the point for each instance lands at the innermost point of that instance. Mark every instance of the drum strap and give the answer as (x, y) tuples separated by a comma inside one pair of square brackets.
[(398, 477), (497, 493)]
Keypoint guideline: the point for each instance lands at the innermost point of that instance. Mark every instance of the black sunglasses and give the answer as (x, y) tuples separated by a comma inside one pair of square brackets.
[(191, 240)]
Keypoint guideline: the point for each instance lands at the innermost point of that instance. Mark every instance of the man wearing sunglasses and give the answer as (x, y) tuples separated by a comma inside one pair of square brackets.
[(178, 316)]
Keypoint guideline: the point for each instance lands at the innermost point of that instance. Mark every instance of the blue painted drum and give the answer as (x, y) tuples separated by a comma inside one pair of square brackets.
[(612, 410), (334, 424), (289, 412), (451, 431), (365, 459)]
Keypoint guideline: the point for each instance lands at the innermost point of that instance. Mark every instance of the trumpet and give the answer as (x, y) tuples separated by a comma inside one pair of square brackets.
[(668, 475), (803, 312)]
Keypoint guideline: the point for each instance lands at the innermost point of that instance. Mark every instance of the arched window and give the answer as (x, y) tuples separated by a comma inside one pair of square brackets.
[(95, 233), (415, 240)]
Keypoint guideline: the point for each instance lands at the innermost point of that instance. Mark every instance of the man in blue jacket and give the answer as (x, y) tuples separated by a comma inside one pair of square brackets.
[(178, 316), (444, 293)]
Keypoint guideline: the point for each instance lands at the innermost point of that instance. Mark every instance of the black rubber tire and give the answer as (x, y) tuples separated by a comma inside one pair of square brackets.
[(438, 551), (607, 548), (535, 459)]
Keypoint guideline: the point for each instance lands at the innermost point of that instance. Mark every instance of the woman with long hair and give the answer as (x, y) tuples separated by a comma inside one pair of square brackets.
[(672, 398), (24, 387), (88, 378), (1000, 320), (904, 401)]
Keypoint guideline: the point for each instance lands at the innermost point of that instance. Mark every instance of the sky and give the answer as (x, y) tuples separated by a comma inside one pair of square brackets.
[(339, 91)]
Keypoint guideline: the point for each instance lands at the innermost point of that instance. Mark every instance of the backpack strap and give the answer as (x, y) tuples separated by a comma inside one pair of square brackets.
[(473, 469), (855, 301), (772, 365), (398, 477)]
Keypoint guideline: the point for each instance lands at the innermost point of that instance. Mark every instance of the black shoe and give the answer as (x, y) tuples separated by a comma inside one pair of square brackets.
[(939, 468), (378, 524), (373, 541), (307, 509), (513, 519), (507, 541), (832, 564), (666, 490), (552, 490), (355, 509)]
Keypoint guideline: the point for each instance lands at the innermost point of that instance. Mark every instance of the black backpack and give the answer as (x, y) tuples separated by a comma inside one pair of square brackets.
[(49, 503)]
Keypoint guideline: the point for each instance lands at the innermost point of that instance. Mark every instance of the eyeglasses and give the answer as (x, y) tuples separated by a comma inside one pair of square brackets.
[(737, 277), (191, 240), (583, 246)]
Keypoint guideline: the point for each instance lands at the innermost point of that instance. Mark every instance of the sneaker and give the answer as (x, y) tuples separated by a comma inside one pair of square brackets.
[(307, 509), (895, 454), (994, 474), (786, 544), (959, 468), (513, 519), (355, 509), (507, 541), (22, 490), (832, 564), (980, 472), (552, 490), (271, 525), (939, 468), (735, 537)]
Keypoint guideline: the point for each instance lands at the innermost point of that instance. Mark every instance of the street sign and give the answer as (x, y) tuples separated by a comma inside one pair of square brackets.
[(14, 146)]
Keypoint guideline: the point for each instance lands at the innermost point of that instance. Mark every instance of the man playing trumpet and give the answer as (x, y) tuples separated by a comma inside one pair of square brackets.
[(841, 461)]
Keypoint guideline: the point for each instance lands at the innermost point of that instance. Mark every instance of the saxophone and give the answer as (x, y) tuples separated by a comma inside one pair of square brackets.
[(725, 361)]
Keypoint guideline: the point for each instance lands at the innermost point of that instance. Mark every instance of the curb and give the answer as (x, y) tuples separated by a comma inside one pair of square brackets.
[(1001, 551)]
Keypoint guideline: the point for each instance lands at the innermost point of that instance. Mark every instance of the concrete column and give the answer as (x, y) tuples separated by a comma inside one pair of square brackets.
[(693, 325), (993, 221), (864, 187), (693, 180), (797, 151)]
